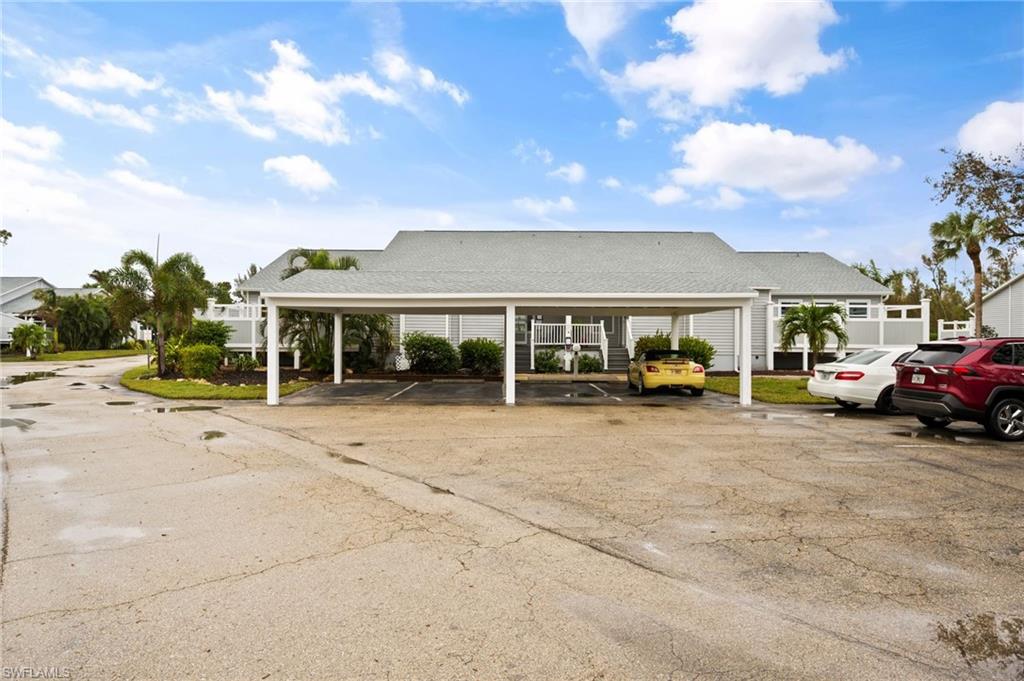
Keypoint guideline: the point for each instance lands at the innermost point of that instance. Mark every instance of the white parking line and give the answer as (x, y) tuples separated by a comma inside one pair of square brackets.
[(603, 392), (401, 391)]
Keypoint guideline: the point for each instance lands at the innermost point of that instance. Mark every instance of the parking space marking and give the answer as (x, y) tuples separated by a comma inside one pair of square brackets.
[(408, 387), (603, 392)]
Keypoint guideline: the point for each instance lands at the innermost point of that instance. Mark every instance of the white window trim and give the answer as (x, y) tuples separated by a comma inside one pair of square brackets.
[(862, 303)]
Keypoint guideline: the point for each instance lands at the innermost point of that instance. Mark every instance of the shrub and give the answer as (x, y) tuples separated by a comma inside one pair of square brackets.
[(481, 355), (589, 364), (86, 322), (697, 349), (246, 363), (30, 338), (200, 360), (658, 341), (172, 354), (546, 362), (430, 354), (207, 332)]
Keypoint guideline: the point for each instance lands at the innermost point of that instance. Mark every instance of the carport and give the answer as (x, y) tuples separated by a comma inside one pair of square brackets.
[(507, 294)]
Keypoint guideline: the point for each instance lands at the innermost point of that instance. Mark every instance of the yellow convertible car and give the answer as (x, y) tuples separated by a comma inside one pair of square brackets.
[(665, 369)]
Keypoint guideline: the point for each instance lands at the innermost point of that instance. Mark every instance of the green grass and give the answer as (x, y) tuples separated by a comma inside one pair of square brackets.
[(768, 389), (190, 390), (72, 355)]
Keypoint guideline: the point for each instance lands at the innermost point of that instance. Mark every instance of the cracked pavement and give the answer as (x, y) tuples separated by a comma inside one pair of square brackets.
[(411, 541)]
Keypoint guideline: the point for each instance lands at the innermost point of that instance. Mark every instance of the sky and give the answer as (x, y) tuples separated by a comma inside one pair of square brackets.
[(235, 131)]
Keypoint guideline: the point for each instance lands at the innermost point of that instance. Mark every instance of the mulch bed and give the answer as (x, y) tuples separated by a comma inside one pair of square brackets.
[(232, 377)]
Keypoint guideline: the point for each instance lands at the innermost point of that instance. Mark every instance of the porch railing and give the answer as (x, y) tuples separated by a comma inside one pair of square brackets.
[(594, 335), (630, 340), (954, 328)]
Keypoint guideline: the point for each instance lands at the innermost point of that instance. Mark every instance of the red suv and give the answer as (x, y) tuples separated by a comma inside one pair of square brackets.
[(980, 380)]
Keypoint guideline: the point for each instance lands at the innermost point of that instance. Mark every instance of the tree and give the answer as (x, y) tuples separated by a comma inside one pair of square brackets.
[(219, 291), (5, 236), (85, 323), (161, 294), (241, 279), (49, 310), (29, 337), (965, 234), (816, 322), (991, 187)]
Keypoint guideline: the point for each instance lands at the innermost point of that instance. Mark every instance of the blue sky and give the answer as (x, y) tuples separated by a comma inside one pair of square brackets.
[(238, 130)]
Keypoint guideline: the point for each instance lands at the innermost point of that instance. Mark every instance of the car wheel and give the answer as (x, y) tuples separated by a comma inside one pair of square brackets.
[(696, 392), (884, 403), (934, 421), (846, 405), (1006, 420)]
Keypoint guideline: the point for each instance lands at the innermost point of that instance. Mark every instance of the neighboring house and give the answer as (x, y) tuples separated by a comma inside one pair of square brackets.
[(1002, 308), (566, 263), (17, 301)]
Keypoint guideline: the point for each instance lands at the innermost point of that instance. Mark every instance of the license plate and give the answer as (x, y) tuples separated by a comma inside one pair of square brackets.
[(917, 378), (675, 371)]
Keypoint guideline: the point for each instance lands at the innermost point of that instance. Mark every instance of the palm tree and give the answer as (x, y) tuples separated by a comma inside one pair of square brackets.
[(49, 309), (965, 234), (163, 294), (816, 322)]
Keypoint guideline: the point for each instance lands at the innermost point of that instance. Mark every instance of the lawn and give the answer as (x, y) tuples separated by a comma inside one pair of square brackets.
[(768, 389), (72, 355), (192, 390)]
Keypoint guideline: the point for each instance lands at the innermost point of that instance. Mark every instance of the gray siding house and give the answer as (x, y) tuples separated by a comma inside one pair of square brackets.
[(421, 261)]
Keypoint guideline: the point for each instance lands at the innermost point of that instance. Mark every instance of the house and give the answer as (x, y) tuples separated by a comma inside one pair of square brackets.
[(603, 290), (17, 301), (1002, 309)]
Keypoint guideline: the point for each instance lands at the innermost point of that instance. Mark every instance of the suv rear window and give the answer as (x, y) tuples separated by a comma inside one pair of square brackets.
[(944, 353)]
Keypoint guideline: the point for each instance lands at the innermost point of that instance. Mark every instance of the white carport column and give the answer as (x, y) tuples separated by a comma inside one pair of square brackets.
[(338, 346), (677, 322), (273, 357), (510, 354), (746, 354)]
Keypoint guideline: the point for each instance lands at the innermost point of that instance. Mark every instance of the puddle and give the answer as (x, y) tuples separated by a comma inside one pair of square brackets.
[(213, 434), (936, 435), (189, 407), (20, 424), (84, 366), (770, 416), (104, 387), (86, 534), (26, 377), (987, 640), (356, 444), (354, 462), (76, 384), (29, 405), (119, 403), (438, 490)]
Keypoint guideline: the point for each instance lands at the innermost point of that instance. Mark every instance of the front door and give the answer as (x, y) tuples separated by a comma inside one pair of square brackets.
[(612, 327), (522, 330)]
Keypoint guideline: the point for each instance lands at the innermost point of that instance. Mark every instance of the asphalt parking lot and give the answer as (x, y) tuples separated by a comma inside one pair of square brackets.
[(614, 540), (568, 393)]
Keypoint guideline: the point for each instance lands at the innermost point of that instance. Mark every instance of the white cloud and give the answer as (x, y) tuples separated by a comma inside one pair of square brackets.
[(798, 213), (544, 207), (301, 172), (667, 195), (32, 144), (151, 188), (297, 101), (573, 173), (115, 114), (529, 150), (625, 128), (734, 47), (397, 69), (84, 75), (132, 159), (593, 23), (817, 234), (996, 131), (611, 183), (727, 199), (758, 157)]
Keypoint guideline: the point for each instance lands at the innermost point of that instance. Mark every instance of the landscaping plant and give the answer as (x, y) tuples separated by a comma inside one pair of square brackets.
[(246, 363), (589, 364), (430, 354), (200, 360), (207, 332), (658, 341), (697, 349), (481, 355), (29, 338), (817, 322), (546, 362)]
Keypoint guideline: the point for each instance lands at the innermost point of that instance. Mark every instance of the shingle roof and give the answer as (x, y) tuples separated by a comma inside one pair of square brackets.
[(812, 273), (271, 274), (14, 287)]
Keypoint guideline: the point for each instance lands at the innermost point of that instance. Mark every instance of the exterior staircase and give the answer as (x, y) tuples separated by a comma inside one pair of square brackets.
[(522, 359), (618, 360)]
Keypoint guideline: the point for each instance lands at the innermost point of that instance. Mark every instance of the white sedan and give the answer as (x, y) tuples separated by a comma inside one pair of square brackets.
[(865, 377)]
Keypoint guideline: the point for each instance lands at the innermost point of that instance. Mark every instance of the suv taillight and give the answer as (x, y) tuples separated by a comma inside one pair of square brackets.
[(957, 369), (849, 375)]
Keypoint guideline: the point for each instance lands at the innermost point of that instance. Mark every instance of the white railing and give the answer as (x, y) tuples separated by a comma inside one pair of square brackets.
[(867, 325), (555, 334), (240, 311), (955, 328), (604, 346)]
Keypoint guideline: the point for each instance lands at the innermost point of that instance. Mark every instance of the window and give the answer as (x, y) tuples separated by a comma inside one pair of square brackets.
[(937, 353), (1011, 353), (857, 309), (863, 357), (787, 305)]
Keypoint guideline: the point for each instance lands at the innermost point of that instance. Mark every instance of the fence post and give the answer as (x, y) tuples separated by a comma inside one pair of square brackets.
[(882, 316), (926, 319)]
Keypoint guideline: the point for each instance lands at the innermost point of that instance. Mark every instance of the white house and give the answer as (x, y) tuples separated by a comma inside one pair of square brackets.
[(1002, 308), (17, 301)]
